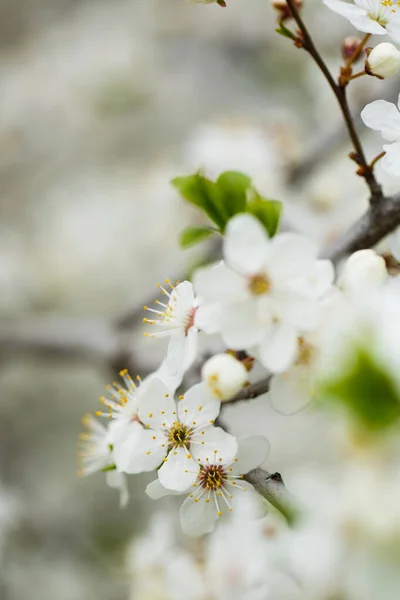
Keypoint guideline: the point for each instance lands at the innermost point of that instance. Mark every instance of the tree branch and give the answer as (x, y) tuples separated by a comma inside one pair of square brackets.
[(379, 220), (251, 391), (272, 488), (339, 91)]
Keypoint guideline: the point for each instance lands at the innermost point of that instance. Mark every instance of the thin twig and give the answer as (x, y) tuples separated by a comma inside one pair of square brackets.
[(252, 391), (340, 93), (272, 488)]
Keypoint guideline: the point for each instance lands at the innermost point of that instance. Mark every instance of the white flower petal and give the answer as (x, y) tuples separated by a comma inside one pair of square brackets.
[(245, 244), (142, 453), (198, 518), (219, 284), (185, 293), (321, 277), (157, 406), (198, 409), (208, 317), (291, 256), (383, 116), (240, 326), (394, 243), (179, 470), (345, 9), (252, 451), (291, 391), (182, 351), (117, 480), (155, 491), (214, 445), (393, 28), (391, 161), (278, 351), (367, 25)]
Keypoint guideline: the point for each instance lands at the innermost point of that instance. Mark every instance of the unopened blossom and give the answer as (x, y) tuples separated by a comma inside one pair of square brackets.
[(363, 270), (265, 293), (224, 376), (383, 61), (371, 16), (384, 116), (176, 319), (218, 483), (96, 454), (175, 432)]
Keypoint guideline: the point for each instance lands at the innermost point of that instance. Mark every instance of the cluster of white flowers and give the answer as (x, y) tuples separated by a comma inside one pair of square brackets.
[(314, 334)]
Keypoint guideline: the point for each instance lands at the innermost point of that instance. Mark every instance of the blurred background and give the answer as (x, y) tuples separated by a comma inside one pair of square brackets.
[(101, 103)]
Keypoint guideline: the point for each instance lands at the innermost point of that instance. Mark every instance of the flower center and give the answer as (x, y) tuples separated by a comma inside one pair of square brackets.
[(305, 352), (212, 477), (189, 321), (178, 436), (259, 284)]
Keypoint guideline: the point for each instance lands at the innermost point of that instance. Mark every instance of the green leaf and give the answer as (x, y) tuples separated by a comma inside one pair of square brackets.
[(233, 187), (204, 194), (194, 235), (367, 391), (282, 30), (266, 211)]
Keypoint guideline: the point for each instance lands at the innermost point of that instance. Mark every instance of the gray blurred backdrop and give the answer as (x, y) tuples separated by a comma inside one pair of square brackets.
[(102, 102)]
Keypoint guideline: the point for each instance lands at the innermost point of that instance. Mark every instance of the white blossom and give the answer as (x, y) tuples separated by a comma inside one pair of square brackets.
[(384, 60), (96, 454), (218, 483), (177, 320), (265, 293), (363, 270), (384, 116), (224, 376), (175, 433), (371, 16)]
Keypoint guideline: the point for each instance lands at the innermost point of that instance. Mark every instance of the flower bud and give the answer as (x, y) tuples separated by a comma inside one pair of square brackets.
[(350, 47), (383, 61), (363, 269), (224, 376), (283, 9)]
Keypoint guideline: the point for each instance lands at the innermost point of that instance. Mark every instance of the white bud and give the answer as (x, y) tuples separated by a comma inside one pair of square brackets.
[(224, 376), (363, 269), (384, 60)]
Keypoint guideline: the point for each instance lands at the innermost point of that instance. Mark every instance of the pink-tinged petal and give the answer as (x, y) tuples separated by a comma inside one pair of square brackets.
[(291, 256), (291, 391), (213, 445), (278, 350), (198, 516), (384, 117), (245, 245), (142, 453), (219, 284), (179, 470), (197, 408), (240, 327), (155, 491), (157, 407), (252, 451), (391, 161)]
